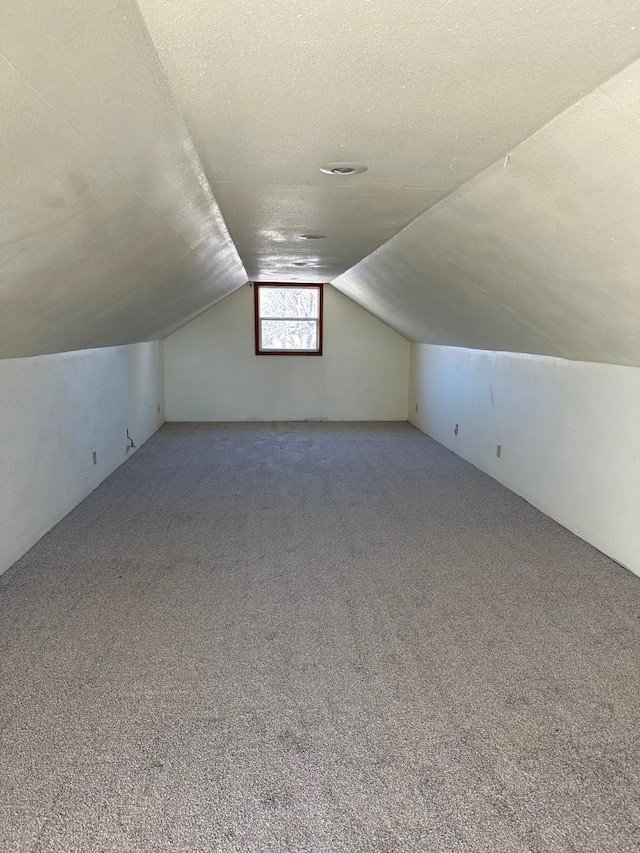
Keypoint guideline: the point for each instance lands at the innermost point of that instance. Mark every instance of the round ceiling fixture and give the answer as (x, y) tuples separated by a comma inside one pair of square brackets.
[(300, 263), (313, 236), (343, 169)]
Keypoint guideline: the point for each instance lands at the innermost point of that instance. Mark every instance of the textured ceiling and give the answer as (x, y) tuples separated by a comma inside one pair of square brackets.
[(426, 94), (540, 253), (109, 231), (125, 126)]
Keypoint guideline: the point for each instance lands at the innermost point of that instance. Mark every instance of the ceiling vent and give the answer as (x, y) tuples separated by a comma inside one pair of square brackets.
[(343, 169)]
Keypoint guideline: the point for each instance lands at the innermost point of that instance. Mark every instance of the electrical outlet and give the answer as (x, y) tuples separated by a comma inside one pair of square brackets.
[(158, 408), (499, 451), (416, 407), (456, 430), (94, 457)]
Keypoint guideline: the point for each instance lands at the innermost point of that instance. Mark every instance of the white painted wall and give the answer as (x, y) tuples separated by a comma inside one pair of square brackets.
[(55, 410), (213, 374), (569, 433)]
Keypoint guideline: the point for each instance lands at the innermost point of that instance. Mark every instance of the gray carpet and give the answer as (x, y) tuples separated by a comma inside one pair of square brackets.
[(316, 637)]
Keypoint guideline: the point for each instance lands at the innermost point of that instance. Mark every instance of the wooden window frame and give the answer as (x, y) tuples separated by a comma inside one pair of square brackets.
[(290, 284)]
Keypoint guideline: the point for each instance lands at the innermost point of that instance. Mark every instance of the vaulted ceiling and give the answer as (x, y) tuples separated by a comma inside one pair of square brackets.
[(540, 253), (154, 156), (110, 231)]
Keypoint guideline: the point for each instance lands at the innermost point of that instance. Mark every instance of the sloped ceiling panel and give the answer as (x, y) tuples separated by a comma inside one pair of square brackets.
[(109, 231), (426, 94), (540, 253)]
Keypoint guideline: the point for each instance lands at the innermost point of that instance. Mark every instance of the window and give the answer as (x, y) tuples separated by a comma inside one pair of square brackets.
[(288, 319)]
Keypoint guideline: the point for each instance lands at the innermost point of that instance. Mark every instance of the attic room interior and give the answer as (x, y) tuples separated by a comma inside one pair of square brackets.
[(319, 421)]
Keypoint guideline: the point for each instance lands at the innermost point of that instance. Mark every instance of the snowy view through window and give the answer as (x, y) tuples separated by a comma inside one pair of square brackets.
[(289, 318)]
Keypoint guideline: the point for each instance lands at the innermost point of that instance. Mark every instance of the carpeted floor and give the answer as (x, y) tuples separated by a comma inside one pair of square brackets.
[(316, 637)]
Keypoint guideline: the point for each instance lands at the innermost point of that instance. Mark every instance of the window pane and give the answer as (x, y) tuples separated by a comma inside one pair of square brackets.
[(289, 334), (289, 301)]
